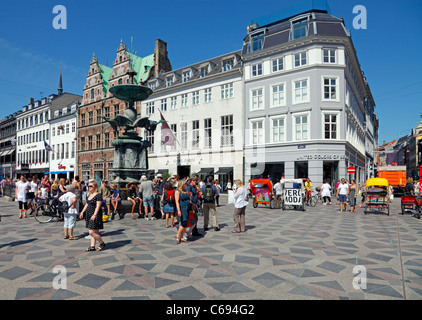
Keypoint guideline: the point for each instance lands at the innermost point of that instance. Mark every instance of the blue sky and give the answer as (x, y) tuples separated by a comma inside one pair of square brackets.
[(31, 50)]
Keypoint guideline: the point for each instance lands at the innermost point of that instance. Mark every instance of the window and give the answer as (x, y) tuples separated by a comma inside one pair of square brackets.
[(73, 149), (186, 76), (82, 144), (278, 64), (184, 135), (195, 134), (256, 42), (256, 69), (227, 91), (330, 89), (195, 98), (67, 128), (228, 64), (67, 151), (62, 151), (301, 127), (73, 127), (169, 81), (329, 55), (184, 102), (173, 128), (299, 29), (98, 141), (278, 130), (92, 93), (153, 85), (257, 101), (149, 108), (330, 126), (53, 132), (149, 136), (116, 110), (99, 116), (91, 117), (301, 91), (207, 95), (204, 71), (83, 120), (278, 97), (227, 131), (300, 59), (107, 139), (257, 132), (163, 104), (90, 143), (173, 103), (207, 133)]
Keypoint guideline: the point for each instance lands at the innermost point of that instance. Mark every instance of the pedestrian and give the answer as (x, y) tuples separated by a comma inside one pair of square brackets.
[(93, 216), (217, 196), (78, 190), (62, 186), (73, 209), (408, 188), (132, 196), (326, 192), (208, 192), (31, 195), (159, 192), (241, 201), (183, 207), (352, 192), (3, 186), (43, 193), (21, 190), (115, 200), (147, 190), (277, 192), (337, 184), (168, 201), (342, 194), (105, 192), (229, 185), (193, 192)]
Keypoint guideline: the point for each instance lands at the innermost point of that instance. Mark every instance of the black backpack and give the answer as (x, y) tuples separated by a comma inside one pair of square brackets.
[(209, 193), (168, 196)]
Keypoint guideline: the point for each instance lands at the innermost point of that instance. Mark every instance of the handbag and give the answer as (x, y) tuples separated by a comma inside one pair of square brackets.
[(30, 195)]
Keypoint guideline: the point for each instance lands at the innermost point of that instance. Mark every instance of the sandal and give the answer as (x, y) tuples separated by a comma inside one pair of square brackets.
[(66, 237), (73, 238), (101, 247), (178, 240), (91, 248)]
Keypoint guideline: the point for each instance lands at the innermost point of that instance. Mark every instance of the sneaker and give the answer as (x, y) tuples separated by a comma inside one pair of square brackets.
[(153, 218), (216, 228), (205, 228), (146, 219)]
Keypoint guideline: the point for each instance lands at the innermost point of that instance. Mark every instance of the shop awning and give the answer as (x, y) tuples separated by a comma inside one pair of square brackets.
[(205, 171), (224, 170)]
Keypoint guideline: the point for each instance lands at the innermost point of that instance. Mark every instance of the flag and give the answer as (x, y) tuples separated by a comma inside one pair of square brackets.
[(167, 136), (47, 147)]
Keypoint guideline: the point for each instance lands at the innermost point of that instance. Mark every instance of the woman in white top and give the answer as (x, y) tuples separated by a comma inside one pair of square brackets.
[(22, 187), (240, 203), (326, 192)]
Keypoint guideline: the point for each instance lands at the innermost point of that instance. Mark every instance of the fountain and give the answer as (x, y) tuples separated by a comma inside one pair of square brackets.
[(130, 150)]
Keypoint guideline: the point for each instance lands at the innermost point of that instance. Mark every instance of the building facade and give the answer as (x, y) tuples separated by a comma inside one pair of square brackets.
[(304, 100), (8, 146)]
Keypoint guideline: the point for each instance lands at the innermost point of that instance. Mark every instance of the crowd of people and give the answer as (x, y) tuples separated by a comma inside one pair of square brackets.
[(176, 200)]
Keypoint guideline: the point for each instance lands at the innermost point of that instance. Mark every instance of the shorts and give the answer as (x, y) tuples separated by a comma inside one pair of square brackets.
[(342, 198), (169, 207), (114, 199), (69, 220), (23, 205), (148, 202)]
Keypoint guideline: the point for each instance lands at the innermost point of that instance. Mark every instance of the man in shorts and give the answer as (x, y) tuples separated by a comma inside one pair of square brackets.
[(105, 192), (342, 194), (147, 190)]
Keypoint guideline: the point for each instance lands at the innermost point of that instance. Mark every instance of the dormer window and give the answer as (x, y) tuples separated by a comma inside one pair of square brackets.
[(203, 71), (153, 85), (228, 64), (256, 42), (186, 76), (169, 81), (299, 29)]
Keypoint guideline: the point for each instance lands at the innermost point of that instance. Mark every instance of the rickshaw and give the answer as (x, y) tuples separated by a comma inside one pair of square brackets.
[(262, 190), (377, 197), (411, 202), (292, 194)]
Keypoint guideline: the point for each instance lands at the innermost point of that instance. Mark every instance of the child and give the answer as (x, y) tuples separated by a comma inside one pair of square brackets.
[(42, 193), (116, 197), (70, 215)]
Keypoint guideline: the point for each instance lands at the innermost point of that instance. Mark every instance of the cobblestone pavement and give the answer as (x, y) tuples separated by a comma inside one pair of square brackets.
[(282, 255)]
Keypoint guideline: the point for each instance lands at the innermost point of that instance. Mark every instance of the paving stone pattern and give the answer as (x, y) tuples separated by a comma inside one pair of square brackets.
[(282, 255)]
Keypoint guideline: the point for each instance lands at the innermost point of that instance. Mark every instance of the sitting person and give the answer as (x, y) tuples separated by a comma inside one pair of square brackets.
[(132, 196), (115, 200)]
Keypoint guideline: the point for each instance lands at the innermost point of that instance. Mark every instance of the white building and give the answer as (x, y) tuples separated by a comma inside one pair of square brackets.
[(202, 104)]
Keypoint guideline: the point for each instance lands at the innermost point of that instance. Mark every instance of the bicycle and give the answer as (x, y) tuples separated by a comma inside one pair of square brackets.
[(310, 200), (45, 212)]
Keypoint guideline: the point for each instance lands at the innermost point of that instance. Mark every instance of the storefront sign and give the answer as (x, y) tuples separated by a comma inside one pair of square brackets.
[(323, 157)]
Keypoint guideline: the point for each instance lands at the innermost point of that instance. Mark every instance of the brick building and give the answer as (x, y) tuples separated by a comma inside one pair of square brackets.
[(95, 153)]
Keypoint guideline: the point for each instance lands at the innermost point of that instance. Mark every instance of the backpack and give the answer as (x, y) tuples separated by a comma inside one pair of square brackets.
[(169, 197), (209, 194)]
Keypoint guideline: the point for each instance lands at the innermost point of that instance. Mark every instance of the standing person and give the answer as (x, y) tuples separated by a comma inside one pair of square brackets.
[(160, 188), (132, 196), (47, 183), (147, 190), (21, 190), (278, 192), (326, 192), (342, 194), (229, 185), (32, 193), (183, 206), (78, 190), (93, 217), (105, 192), (70, 216), (42, 193), (62, 187), (208, 192), (240, 198), (352, 192), (168, 201), (337, 184), (3, 186), (217, 196), (192, 190), (115, 200)]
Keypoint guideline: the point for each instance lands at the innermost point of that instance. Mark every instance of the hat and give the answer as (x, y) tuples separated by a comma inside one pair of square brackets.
[(159, 175), (143, 178), (70, 187), (130, 183)]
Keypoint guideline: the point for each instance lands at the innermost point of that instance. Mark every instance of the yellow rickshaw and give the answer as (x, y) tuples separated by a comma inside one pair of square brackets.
[(377, 196)]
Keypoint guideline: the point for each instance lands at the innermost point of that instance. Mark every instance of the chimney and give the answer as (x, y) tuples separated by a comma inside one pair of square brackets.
[(161, 60), (31, 100)]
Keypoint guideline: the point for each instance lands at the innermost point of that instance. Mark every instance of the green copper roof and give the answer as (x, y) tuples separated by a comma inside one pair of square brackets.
[(141, 66), (105, 75)]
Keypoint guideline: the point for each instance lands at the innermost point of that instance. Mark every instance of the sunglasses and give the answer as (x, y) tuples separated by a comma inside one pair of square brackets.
[(90, 186)]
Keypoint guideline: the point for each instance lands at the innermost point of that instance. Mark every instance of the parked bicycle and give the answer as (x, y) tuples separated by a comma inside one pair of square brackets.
[(45, 212)]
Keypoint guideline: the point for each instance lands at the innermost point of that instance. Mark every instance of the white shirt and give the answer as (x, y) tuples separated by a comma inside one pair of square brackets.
[(43, 193), (325, 190), (240, 198), (34, 187), (343, 188), (68, 197), (277, 188), (21, 190)]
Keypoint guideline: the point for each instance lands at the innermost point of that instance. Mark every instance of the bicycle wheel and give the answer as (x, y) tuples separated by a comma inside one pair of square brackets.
[(44, 213), (313, 201)]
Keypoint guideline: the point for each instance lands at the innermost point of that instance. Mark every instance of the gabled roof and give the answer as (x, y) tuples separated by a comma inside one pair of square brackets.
[(105, 75), (141, 66)]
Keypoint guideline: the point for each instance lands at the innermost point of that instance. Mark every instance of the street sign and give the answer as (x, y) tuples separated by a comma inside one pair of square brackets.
[(351, 170)]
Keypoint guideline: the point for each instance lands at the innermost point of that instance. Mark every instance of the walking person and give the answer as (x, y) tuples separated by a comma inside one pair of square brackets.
[(352, 192), (241, 201), (21, 190), (278, 192), (168, 201), (160, 188), (147, 190), (31, 195), (183, 207), (78, 190), (209, 192), (326, 192), (192, 190), (70, 216), (217, 196), (342, 194), (93, 216)]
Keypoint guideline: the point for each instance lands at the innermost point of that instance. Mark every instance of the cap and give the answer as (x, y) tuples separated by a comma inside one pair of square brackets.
[(144, 178), (159, 175), (70, 187)]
